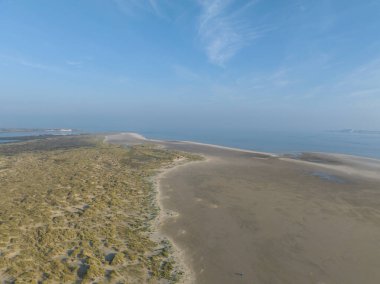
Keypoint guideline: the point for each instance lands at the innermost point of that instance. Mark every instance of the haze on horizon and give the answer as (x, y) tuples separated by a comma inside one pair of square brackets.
[(129, 64)]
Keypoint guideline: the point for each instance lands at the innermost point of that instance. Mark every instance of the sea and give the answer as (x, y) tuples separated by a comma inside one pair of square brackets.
[(284, 142), (366, 144)]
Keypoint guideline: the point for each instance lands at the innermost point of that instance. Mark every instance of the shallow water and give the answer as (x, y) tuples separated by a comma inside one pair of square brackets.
[(7, 141), (358, 144), (327, 177)]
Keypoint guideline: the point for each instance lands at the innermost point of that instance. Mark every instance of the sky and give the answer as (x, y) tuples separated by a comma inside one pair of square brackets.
[(190, 64)]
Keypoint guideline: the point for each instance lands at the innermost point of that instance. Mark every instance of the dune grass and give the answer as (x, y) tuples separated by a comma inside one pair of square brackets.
[(80, 211)]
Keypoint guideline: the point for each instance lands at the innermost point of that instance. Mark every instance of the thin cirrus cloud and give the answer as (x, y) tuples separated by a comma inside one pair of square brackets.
[(20, 61), (185, 73), (223, 26), (224, 29), (363, 81), (129, 7)]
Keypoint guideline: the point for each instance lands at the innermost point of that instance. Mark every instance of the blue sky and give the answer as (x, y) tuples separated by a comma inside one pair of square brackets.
[(146, 65)]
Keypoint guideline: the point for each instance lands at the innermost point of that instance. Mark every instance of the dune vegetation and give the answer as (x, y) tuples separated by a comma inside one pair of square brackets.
[(77, 210)]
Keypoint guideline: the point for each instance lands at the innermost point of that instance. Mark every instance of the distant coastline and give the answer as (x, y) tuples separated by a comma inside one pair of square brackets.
[(358, 131), (364, 143), (11, 135), (29, 130)]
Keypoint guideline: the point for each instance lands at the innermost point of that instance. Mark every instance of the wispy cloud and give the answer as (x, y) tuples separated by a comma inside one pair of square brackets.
[(185, 73), (362, 81), (27, 63), (224, 28), (360, 84), (156, 8), (275, 82), (132, 7), (127, 6), (74, 63), (31, 64)]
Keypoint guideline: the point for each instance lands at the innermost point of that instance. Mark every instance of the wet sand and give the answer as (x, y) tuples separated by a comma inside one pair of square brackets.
[(247, 217)]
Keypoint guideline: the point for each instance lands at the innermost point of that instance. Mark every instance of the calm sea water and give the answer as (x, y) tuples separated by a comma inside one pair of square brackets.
[(359, 144), (367, 145)]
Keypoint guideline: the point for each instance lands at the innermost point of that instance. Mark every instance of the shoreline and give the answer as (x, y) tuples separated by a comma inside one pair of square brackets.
[(139, 138), (182, 264), (272, 218), (342, 163), (226, 148)]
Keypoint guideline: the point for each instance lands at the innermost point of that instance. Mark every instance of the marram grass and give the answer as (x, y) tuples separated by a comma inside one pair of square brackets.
[(81, 213)]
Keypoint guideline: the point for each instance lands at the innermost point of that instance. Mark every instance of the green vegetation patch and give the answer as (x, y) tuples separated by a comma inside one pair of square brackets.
[(75, 210), (47, 143)]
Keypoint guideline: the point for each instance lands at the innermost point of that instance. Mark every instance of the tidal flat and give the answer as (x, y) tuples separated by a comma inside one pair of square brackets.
[(248, 217), (77, 210)]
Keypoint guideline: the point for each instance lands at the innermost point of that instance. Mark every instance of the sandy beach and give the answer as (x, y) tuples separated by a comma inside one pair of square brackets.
[(247, 217)]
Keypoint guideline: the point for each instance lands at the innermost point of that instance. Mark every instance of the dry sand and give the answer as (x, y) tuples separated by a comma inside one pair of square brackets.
[(247, 217)]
